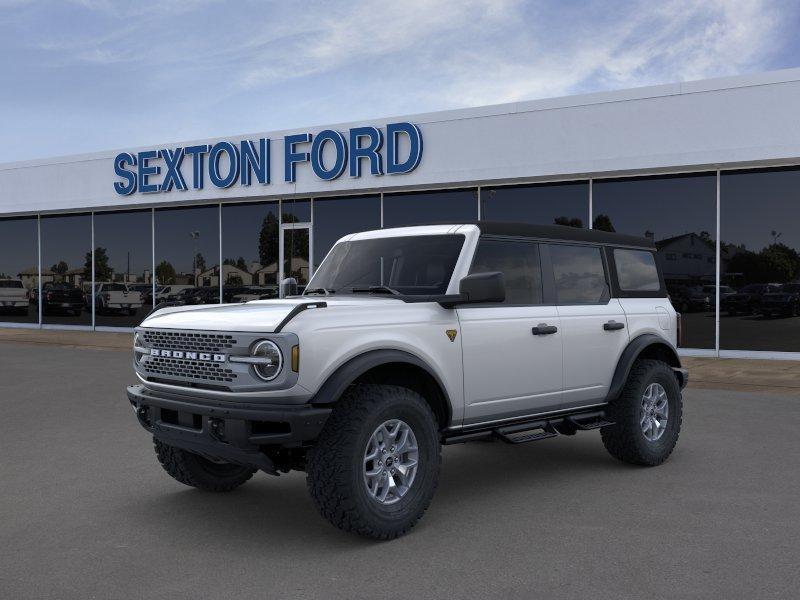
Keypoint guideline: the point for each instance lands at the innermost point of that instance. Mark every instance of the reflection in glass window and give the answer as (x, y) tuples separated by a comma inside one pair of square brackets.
[(452, 206), (250, 251), (19, 270), (296, 211), (519, 264), (66, 269), (579, 274), (336, 217), (760, 260), (636, 271), (679, 213), (187, 255), (543, 204), (123, 291)]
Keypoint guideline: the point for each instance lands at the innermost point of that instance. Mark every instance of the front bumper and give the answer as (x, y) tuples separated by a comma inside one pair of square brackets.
[(229, 431), (13, 303)]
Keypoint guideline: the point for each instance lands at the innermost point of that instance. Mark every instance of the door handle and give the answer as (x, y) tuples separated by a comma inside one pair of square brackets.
[(544, 329), (613, 326)]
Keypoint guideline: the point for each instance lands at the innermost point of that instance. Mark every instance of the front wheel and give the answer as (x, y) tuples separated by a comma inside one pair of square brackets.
[(197, 471), (375, 466), (647, 415)]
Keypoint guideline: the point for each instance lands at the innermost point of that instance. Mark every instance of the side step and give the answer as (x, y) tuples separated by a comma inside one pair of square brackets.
[(534, 429), (588, 425)]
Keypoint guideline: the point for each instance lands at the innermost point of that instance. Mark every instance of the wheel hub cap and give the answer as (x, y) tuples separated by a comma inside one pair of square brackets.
[(390, 461), (654, 412)]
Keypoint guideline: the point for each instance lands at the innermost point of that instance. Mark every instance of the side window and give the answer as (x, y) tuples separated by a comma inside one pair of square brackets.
[(636, 270), (579, 274), (519, 263)]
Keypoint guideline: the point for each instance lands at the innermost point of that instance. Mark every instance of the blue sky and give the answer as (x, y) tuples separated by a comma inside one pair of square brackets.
[(85, 75)]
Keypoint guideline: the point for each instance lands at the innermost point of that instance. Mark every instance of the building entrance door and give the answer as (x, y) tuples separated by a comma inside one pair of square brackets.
[(296, 254)]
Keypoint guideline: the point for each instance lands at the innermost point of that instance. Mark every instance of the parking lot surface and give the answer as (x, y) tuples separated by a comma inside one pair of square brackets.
[(87, 512)]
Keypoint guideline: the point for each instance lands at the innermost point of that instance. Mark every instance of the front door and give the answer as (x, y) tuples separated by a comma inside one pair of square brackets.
[(296, 253), (512, 350)]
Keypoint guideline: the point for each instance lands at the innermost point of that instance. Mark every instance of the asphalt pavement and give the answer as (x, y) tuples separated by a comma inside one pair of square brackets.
[(87, 512)]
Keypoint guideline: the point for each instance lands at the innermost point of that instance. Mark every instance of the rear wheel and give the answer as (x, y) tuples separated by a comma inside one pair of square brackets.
[(647, 415), (375, 466), (196, 471)]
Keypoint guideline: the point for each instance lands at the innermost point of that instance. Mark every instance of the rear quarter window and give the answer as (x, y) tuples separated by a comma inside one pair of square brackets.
[(636, 271)]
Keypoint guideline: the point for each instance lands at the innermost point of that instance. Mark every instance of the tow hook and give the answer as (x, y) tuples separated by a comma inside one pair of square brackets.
[(216, 428), (143, 414)]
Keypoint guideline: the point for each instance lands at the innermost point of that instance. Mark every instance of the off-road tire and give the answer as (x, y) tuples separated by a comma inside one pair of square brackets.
[(335, 465), (194, 470), (624, 440)]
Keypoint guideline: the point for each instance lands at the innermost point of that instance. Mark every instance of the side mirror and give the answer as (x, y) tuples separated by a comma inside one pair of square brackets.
[(483, 287), (289, 287), (478, 288)]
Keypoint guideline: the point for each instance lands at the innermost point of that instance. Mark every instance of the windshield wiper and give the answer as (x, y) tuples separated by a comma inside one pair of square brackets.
[(319, 290), (376, 289)]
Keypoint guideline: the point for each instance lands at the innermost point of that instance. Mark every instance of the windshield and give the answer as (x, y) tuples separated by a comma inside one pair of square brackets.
[(10, 283), (409, 265)]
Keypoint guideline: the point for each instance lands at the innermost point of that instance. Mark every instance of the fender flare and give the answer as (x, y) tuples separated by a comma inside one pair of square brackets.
[(336, 384), (632, 351)]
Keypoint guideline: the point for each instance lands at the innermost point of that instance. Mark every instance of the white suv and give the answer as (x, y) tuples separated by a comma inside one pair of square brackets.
[(404, 340)]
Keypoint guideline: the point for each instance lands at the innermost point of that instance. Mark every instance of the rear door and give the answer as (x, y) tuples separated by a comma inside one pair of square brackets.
[(593, 324), (642, 293), (512, 350)]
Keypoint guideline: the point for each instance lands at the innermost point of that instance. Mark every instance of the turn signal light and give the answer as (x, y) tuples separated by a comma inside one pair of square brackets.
[(296, 359)]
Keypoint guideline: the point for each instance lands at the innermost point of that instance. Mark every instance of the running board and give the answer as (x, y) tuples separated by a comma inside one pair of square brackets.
[(533, 430)]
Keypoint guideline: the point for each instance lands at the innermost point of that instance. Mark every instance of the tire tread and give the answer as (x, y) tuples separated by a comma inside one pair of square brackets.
[(329, 466)]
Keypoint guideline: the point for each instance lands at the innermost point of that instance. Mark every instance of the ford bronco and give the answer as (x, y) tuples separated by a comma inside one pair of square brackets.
[(407, 339)]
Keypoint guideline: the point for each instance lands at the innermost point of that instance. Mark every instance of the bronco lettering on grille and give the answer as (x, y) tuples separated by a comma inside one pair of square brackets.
[(186, 355)]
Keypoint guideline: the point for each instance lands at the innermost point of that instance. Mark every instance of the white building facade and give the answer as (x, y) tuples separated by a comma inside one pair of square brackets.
[(709, 169)]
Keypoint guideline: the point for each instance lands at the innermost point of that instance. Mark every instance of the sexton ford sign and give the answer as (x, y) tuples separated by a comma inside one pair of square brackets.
[(225, 164)]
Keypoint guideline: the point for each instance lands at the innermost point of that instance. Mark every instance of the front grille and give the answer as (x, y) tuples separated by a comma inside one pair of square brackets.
[(193, 342), (188, 369)]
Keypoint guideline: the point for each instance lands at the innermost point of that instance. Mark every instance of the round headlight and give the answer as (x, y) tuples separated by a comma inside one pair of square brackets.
[(272, 362)]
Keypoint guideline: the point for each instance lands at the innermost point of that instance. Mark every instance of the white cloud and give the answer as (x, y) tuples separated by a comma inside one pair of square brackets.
[(187, 69)]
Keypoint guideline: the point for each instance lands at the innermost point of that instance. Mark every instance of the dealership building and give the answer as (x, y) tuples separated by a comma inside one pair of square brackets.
[(710, 170)]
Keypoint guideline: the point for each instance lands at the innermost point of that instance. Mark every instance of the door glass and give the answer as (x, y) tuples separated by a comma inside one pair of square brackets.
[(580, 277), (519, 264), (295, 256)]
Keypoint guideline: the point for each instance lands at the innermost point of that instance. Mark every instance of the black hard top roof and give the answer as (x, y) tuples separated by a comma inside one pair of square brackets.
[(562, 232)]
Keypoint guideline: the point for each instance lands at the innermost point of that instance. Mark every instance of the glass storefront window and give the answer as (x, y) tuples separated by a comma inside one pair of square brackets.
[(336, 217), (760, 260), (543, 204), (187, 255), (123, 290), (250, 251), (679, 213), (296, 211), (419, 208), (66, 269), (19, 270)]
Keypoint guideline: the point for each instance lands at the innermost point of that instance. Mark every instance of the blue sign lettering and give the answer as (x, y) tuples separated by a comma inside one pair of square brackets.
[(226, 163)]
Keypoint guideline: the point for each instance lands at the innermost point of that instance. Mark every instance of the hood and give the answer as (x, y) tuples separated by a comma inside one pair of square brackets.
[(260, 315)]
